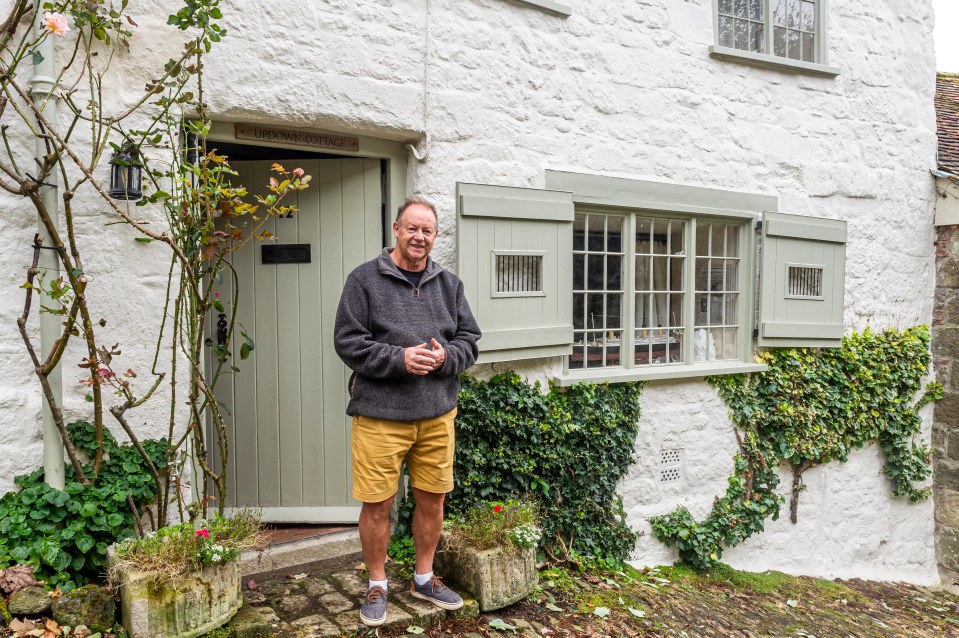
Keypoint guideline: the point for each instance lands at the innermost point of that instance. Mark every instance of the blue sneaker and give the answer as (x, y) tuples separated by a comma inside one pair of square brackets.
[(373, 611), (437, 593)]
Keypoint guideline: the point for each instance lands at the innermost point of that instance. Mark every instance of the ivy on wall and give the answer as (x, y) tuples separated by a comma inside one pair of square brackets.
[(565, 449), (812, 407)]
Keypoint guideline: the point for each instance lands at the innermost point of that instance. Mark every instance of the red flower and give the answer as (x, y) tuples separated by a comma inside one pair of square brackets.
[(205, 533), (497, 509)]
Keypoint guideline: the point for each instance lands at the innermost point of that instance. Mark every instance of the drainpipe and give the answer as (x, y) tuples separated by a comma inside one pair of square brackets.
[(41, 90)]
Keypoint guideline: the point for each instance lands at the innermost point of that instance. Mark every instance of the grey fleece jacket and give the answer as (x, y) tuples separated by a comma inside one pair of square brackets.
[(379, 316)]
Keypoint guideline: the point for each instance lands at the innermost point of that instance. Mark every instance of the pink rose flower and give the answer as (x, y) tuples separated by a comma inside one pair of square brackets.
[(56, 23), (203, 533)]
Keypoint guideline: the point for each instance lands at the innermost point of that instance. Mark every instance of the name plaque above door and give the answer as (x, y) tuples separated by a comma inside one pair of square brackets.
[(298, 138)]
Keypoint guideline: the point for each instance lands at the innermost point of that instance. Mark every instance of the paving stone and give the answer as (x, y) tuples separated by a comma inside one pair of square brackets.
[(396, 618), (268, 614), (351, 582), (424, 613), (281, 589), (294, 605), (519, 623), (468, 611), (336, 602), (316, 586), (248, 623), (315, 626)]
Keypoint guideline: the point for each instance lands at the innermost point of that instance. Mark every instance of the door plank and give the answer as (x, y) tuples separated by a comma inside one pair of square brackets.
[(332, 277), (288, 351), (311, 340), (243, 409), (267, 417)]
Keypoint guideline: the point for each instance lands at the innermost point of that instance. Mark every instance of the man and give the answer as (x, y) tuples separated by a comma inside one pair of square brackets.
[(405, 329)]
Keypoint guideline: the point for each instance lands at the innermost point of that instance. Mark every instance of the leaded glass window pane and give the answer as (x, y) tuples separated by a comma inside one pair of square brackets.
[(598, 263), (793, 24)]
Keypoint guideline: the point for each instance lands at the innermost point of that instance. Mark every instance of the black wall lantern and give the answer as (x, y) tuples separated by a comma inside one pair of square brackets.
[(126, 173)]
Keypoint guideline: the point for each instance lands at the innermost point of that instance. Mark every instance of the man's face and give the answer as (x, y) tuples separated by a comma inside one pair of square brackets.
[(415, 232)]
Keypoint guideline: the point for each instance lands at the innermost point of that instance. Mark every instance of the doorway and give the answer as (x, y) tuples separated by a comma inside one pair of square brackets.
[(286, 407)]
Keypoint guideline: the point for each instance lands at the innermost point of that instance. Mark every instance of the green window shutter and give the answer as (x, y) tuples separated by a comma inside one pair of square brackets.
[(514, 255), (802, 281)]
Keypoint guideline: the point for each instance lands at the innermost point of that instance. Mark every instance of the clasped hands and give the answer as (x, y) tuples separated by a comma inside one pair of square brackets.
[(421, 361)]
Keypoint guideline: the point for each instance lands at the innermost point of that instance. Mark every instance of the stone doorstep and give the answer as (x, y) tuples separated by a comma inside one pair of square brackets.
[(297, 554)]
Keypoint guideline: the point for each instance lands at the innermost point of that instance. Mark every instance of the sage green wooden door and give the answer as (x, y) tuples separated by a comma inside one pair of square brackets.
[(289, 432)]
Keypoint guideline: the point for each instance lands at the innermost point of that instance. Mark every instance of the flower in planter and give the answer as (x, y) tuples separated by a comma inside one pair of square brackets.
[(513, 523), (177, 549)]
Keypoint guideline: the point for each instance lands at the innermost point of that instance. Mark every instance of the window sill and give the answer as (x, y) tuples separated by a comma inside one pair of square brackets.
[(550, 6), (772, 61), (622, 375)]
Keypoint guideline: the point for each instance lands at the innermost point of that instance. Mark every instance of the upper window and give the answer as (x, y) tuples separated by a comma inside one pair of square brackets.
[(788, 33), (656, 291), (785, 28)]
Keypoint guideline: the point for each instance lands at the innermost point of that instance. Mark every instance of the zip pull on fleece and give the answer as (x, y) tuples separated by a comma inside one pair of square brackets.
[(416, 292)]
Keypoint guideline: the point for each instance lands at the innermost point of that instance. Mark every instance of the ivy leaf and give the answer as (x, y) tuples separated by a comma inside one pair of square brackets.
[(792, 603), (552, 607), (639, 613), (414, 629), (602, 612), (501, 625)]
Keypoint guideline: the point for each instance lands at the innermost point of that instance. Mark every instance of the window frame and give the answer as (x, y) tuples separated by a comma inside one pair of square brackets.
[(820, 65), (641, 198)]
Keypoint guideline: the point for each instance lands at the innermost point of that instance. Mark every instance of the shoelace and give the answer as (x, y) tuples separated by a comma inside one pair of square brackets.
[(436, 584), (375, 595)]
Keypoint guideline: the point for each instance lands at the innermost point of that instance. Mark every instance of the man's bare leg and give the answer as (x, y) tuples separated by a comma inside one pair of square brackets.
[(375, 536), (427, 525)]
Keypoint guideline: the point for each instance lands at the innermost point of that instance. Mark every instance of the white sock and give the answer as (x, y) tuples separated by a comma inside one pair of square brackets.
[(379, 583), (422, 579)]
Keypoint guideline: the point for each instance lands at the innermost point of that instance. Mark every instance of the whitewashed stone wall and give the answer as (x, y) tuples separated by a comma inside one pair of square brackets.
[(621, 88)]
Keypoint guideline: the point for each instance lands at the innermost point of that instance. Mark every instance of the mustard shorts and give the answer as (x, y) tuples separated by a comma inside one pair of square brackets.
[(380, 446)]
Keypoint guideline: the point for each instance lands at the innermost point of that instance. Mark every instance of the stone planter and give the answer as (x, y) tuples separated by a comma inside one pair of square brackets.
[(495, 577), (197, 603)]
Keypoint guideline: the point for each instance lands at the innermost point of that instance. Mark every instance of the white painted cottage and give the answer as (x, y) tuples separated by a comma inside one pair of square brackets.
[(548, 134)]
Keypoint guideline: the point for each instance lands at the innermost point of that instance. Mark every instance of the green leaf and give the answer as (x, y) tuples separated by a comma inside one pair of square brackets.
[(414, 629), (639, 613), (602, 612), (144, 240), (552, 607), (501, 625), (85, 543)]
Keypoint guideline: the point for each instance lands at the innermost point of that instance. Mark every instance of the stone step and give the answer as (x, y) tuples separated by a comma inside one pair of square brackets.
[(334, 547)]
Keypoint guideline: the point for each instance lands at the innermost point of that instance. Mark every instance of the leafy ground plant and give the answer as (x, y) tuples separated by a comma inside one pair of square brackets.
[(64, 534)]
